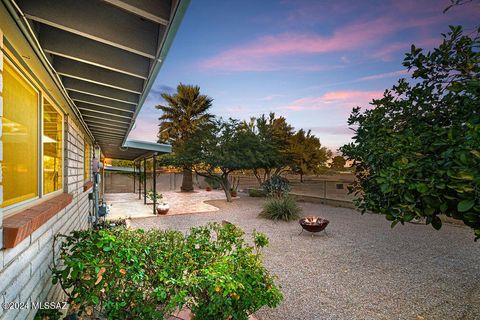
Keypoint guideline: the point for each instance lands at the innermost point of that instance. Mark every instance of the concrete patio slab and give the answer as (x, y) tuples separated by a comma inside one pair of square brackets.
[(128, 206)]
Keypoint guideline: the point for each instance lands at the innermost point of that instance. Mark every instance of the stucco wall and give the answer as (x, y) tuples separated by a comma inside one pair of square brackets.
[(123, 182)]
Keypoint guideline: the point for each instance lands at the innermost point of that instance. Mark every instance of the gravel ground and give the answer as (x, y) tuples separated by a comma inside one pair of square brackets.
[(360, 269)]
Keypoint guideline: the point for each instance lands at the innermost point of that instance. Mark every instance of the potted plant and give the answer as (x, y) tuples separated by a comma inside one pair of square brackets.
[(162, 204), (234, 186), (163, 207), (151, 194), (208, 188)]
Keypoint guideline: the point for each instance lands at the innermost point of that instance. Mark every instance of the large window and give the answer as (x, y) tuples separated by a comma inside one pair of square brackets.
[(20, 137), (32, 141), (52, 148)]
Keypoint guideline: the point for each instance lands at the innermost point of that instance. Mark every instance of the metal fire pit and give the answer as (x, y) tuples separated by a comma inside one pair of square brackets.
[(313, 224)]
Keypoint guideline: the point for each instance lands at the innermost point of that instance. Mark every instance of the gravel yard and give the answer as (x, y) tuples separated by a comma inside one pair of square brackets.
[(360, 269)]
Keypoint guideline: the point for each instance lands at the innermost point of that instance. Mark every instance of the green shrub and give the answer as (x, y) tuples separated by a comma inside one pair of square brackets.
[(257, 193), (416, 152), (151, 195), (281, 208), (277, 186), (124, 274)]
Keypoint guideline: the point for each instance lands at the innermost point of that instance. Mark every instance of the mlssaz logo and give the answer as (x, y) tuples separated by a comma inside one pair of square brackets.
[(49, 305)]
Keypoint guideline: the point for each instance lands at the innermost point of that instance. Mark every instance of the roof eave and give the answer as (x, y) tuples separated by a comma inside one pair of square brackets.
[(180, 10)]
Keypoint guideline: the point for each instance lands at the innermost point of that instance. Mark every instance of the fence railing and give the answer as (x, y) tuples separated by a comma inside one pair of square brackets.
[(325, 187), (329, 188)]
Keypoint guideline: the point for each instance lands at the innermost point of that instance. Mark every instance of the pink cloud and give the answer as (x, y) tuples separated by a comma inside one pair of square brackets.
[(265, 52), (384, 75), (144, 130), (388, 52), (256, 55), (336, 130), (335, 99)]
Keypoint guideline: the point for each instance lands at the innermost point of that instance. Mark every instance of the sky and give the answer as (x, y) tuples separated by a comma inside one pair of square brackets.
[(309, 61)]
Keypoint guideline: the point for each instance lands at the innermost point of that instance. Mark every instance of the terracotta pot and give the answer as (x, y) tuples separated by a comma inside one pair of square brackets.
[(163, 208), (208, 189), (233, 193)]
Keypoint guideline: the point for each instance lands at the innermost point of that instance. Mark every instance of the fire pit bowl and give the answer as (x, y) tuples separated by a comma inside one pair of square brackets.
[(313, 224)]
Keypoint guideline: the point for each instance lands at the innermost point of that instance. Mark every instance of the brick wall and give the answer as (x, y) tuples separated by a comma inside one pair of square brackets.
[(24, 270), (74, 146)]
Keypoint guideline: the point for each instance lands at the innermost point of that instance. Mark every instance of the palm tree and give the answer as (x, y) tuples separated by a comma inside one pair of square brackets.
[(185, 111)]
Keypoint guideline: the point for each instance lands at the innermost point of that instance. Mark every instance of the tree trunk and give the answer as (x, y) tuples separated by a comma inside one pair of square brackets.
[(226, 187), (301, 177), (268, 174), (187, 181), (257, 175)]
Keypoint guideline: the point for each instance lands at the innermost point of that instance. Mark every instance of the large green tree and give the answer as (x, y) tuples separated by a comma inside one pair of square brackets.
[(217, 149), (417, 151), (338, 163), (273, 136), (306, 153), (184, 112)]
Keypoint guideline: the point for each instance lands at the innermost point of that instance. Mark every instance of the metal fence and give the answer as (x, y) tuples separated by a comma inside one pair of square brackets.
[(322, 187)]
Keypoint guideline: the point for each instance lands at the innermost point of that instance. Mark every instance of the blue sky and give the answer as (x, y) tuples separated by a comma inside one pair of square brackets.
[(310, 61)]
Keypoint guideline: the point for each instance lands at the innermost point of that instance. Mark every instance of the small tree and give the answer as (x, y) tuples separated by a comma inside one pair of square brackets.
[(338, 163), (273, 141), (217, 149), (306, 153), (417, 153)]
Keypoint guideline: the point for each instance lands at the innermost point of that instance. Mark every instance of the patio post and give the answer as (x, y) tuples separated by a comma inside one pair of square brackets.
[(144, 180), (134, 174), (139, 180), (154, 184)]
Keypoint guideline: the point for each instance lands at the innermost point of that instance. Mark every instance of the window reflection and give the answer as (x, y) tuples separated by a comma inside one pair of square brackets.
[(19, 138), (52, 148)]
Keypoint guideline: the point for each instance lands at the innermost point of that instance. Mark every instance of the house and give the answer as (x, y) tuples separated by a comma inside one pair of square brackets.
[(73, 77)]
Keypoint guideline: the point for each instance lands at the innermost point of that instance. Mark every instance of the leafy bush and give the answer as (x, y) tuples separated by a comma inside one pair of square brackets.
[(277, 186), (417, 150), (281, 208), (124, 274), (212, 182), (227, 280), (151, 195), (257, 193)]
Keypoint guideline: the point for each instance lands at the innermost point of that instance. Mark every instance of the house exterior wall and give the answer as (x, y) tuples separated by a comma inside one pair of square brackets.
[(25, 275)]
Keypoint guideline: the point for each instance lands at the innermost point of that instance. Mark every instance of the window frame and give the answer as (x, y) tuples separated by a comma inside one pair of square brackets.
[(59, 191), (9, 58)]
